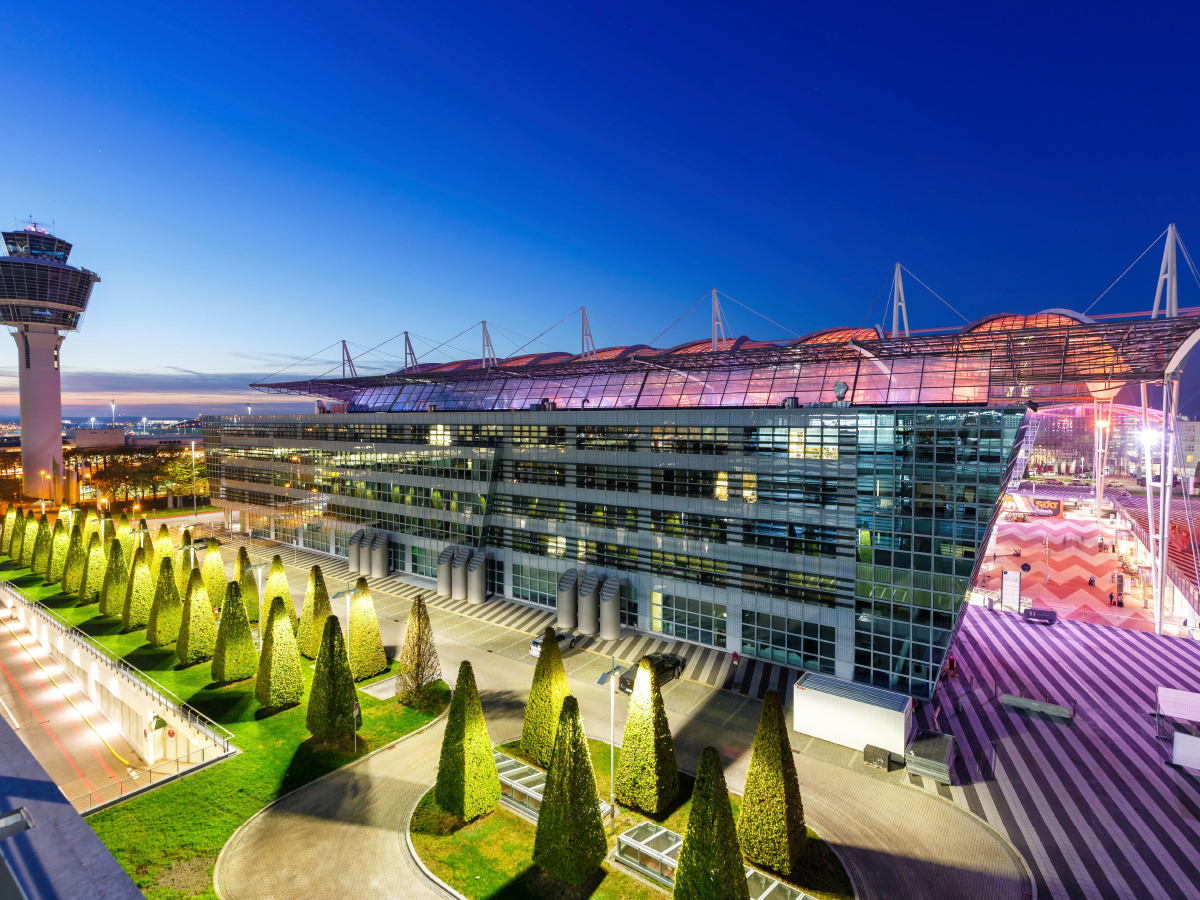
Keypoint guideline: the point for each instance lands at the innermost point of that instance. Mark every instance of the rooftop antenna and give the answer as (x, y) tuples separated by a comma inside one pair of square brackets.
[(1168, 275), (488, 357), (899, 307), (347, 362), (410, 357), (588, 346), (719, 341)]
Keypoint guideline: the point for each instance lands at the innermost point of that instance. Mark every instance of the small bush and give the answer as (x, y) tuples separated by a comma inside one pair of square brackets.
[(116, 575), (544, 706), (280, 681), (197, 632), (330, 714), (467, 783), (166, 613), (139, 593), (313, 614), (163, 549), (367, 657), (235, 657), (570, 843)]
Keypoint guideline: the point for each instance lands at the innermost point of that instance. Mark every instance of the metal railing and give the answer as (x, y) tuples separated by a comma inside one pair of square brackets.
[(163, 771), (218, 734)]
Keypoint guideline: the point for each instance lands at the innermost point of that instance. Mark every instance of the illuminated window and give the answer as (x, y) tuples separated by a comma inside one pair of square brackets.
[(556, 545), (795, 443), (721, 487), (829, 453), (750, 488), (440, 435)]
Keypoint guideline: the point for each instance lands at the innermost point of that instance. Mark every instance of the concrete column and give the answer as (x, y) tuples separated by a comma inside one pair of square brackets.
[(352, 552), (477, 579), (566, 598), (41, 407), (458, 574), (589, 603), (445, 561), (379, 555), (610, 610)]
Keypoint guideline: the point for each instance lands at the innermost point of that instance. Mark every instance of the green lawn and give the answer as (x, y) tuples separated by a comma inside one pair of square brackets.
[(498, 848), (168, 839)]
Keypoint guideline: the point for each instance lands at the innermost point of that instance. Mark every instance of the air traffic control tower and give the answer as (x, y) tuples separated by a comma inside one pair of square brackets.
[(41, 298)]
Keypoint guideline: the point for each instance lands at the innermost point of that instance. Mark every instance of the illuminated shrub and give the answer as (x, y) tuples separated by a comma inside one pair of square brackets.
[(545, 701), (366, 645), (648, 775), (235, 656), (467, 783), (279, 681), (197, 631), (95, 565), (139, 593), (116, 574), (166, 612), (330, 715)]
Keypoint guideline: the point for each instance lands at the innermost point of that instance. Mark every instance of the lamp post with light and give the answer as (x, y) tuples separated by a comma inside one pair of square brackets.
[(611, 678)]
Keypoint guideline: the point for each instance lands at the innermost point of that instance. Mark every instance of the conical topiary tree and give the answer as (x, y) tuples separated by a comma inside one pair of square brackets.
[(108, 532), (163, 549), (330, 714), (710, 861), (467, 783), (419, 665), (91, 525), (545, 701), (116, 575), (10, 522), (248, 583), (197, 632), (17, 544), (41, 548), (279, 681), (771, 828), (312, 615), (277, 586), (365, 648), (129, 542), (214, 574), (647, 775), (74, 560), (142, 524), (123, 525), (186, 559), (60, 541), (166, 612), (570, 842), (95, 564), (139, 593), (29, 545), (235, 657)]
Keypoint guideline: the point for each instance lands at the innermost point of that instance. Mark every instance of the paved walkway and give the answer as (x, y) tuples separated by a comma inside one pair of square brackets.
[(898, 841)]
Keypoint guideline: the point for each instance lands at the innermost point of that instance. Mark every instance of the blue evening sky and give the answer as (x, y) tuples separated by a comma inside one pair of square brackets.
[(256, 181)]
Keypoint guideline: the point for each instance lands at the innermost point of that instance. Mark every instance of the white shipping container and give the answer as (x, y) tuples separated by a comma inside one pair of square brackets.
[(853, 715)]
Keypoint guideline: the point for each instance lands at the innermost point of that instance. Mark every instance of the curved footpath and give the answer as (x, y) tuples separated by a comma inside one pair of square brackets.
[(341, 836)]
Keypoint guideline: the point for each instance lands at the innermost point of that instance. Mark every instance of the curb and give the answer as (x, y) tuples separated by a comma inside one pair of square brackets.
[(406, 827), (253, 818)]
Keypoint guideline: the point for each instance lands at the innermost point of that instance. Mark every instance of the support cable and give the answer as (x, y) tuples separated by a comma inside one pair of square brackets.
[(863, 323), (1131, 265), (1188, 257), (547, 331), (677, 321), (936, 294), (757, 313), (297, 362)]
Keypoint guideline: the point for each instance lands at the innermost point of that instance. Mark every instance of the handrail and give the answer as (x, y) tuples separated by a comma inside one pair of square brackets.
[(166, 770), (159, 692)]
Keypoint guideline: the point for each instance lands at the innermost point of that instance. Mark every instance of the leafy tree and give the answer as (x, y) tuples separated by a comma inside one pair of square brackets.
[(330, 714), (197, 632), (235, 656), (367, 657), (60, 541), (95, 565), (648, 775), (40, 557), (570, 842), (17, 544), (419, 665), (467, 782), (277, 586), (74, 560), (545, 700), (313, 614), (10, 522), (116, 575), (710, 860), (166, 612), (246, 581), (280, 681), (214, 574), (139, 593), (163, 549), (771, 828)]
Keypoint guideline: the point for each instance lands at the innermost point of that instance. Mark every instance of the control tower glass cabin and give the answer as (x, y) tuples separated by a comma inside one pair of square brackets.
[(41, 299)]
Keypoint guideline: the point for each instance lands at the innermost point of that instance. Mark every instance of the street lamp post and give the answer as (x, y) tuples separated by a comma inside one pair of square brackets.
[(611, 678)]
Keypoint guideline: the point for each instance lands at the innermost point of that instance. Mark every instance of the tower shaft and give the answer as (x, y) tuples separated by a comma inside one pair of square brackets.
[(41, 410)]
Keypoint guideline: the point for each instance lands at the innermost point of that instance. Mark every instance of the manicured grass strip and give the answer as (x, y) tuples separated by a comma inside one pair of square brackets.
[(820, 874), (155, 835)]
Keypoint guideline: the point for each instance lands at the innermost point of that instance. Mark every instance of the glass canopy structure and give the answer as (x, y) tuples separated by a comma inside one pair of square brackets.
[(521, 786)]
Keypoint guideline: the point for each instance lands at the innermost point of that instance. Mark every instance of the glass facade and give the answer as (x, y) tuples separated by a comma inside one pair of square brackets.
[(839, 539)]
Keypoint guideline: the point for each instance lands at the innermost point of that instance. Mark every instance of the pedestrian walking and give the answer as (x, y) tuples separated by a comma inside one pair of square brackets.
[(1091, 581), (1111, 600)]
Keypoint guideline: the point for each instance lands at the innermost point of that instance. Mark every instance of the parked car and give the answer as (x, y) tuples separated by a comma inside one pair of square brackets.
[(566, 641), (667, 665)]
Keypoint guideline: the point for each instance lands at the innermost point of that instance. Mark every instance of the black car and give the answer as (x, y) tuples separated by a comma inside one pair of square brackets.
[(667, 665)]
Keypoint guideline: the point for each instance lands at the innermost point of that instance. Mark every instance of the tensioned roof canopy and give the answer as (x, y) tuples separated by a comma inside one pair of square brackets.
[(1053, 355)]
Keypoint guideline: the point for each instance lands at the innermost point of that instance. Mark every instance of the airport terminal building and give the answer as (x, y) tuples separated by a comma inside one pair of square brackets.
[(821, 503)]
